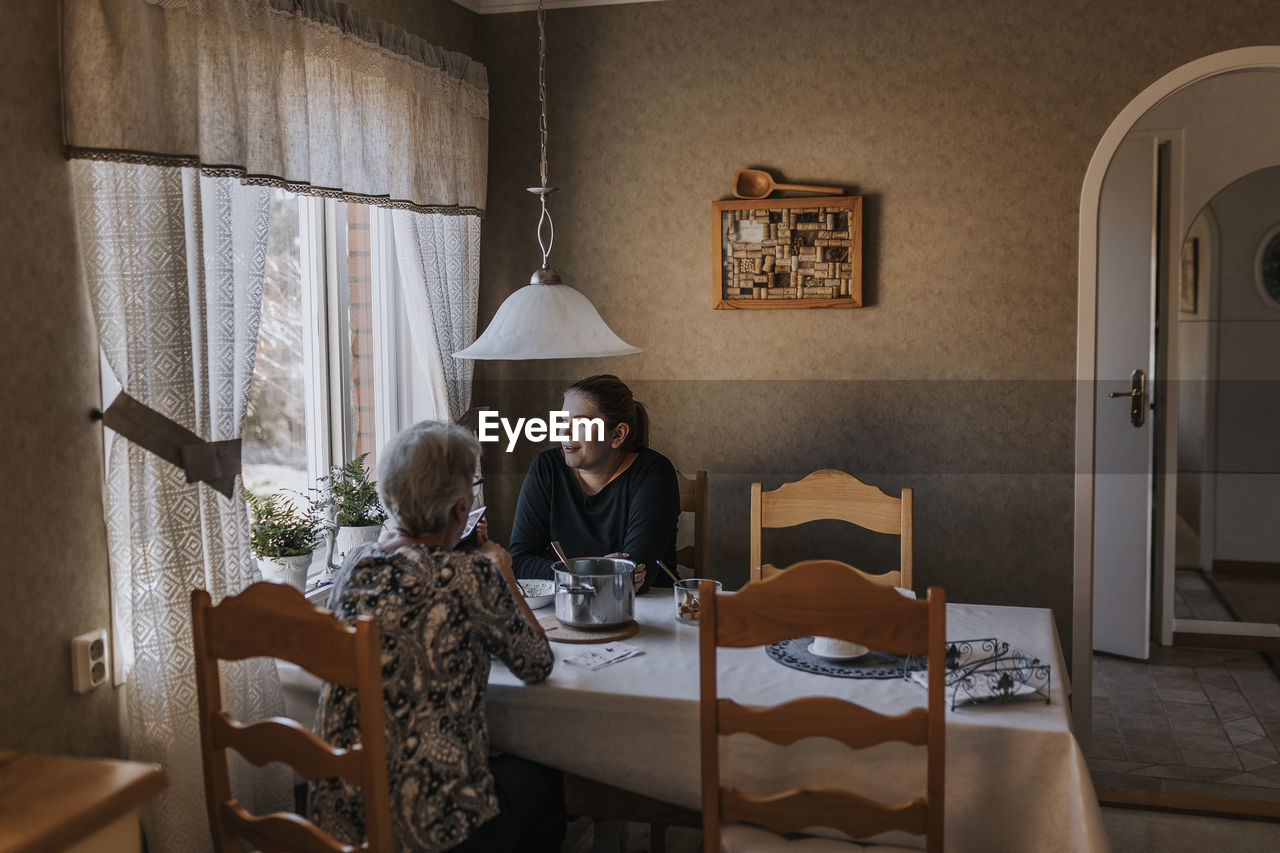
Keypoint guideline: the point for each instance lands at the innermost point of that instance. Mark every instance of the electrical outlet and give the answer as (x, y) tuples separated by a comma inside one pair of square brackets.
[(89, 664)]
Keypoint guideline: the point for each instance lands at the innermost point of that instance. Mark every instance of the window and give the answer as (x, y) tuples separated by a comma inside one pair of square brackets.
[(334, 377)]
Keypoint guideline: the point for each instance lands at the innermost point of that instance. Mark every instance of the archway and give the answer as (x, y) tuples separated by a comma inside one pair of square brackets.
[(1241, 59)]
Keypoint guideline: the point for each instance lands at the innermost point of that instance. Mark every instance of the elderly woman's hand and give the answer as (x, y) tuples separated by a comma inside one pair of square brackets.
[(500, 556), (476, 539)]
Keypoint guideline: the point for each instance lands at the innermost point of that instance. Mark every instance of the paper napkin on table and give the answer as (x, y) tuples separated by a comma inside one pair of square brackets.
[(601, 657)]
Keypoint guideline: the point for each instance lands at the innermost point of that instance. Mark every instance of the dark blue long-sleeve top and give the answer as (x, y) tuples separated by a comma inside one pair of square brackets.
[(637, 513)]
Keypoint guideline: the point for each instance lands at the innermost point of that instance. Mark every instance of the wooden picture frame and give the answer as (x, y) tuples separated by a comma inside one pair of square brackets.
[(787, 253)]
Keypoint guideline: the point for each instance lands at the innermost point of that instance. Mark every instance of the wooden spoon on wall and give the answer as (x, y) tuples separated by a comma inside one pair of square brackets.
[(754, 183)]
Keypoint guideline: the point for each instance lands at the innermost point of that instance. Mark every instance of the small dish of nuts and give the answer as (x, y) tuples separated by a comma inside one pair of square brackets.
[(687, 607)]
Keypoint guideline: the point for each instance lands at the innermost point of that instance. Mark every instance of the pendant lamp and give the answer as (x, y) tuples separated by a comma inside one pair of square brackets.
[(546, 318)]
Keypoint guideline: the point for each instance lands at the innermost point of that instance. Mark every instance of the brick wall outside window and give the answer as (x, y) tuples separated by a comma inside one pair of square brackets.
[(360, 301)]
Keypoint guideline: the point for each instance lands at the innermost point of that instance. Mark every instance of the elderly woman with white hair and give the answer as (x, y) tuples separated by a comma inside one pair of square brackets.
[(441, 613)]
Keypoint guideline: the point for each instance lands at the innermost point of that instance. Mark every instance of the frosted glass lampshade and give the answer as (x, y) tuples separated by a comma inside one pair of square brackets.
[(546, 321)]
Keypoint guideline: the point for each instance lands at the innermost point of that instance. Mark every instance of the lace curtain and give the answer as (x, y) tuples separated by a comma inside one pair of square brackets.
[(172, 107), (174, 261), (308, 95), (439, 262)]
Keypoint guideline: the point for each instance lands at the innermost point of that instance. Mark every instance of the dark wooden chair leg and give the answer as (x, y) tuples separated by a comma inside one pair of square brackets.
[(657, 838)]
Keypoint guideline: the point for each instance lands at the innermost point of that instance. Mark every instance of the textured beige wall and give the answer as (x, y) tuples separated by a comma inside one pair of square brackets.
[(54, 556), (966, 126)]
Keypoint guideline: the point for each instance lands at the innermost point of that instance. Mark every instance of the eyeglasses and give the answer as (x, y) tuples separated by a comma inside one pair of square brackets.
[(478, 482)]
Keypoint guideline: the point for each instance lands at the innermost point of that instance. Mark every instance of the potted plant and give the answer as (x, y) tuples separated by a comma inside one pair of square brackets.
[(354, 514), (283, 538)]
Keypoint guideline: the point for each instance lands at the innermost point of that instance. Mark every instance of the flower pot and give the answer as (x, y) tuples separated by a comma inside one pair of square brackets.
[(286, 570), (348, 538)]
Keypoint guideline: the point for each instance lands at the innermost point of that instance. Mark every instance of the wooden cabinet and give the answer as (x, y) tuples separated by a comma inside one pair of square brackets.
[(58, 803)]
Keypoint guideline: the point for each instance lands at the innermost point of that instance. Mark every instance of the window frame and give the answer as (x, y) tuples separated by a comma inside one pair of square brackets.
[(399, 385)]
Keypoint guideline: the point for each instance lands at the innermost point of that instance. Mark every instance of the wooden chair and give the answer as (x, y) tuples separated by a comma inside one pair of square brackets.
[(822, 597), (832, 494), (597, 800), (693, 498), (274, 620)]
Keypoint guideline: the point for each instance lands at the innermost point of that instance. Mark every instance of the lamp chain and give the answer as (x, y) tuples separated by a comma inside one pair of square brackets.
[(542, 88), (543, 243)]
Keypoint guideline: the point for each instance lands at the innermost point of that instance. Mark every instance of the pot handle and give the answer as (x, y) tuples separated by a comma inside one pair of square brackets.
[(577, 590)]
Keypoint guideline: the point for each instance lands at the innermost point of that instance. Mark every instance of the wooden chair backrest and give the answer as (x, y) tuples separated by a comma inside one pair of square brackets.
[(832, 494), (693, 498), (822, 597), (274, 620)]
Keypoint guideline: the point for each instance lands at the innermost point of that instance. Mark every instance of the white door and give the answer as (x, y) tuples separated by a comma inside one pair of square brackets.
[(1122, 504)]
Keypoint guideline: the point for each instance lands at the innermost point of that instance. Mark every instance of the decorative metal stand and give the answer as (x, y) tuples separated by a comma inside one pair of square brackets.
[(989, 670)]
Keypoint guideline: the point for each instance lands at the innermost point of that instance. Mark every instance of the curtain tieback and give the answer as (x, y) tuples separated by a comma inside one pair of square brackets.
[(214, 462)]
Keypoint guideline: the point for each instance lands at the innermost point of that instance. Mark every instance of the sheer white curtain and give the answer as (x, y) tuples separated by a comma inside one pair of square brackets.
[(439, 261), (174, 262)]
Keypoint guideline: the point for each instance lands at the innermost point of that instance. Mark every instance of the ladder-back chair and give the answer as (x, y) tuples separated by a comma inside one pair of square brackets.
[(822, 598), (274, 620), (693, 498), (832, 494)]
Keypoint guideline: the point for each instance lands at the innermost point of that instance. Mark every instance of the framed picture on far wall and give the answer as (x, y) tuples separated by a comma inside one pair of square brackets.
[(1267, 268), (1189, 294)]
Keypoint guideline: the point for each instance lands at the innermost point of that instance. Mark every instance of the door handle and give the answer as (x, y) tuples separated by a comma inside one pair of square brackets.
[(1137, 395)]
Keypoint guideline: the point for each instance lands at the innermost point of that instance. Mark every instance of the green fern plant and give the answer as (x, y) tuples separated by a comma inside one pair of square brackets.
[(278, 529), (352, 495)]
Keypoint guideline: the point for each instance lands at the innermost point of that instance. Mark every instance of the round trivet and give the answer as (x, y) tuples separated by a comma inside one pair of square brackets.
[(558, 633), (795, 654)]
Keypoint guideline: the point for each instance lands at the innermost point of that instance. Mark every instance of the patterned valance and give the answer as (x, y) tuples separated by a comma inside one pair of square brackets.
[(309, 95)]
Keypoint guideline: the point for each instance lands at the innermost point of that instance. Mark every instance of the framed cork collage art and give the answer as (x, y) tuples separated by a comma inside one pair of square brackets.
[(788, 253)]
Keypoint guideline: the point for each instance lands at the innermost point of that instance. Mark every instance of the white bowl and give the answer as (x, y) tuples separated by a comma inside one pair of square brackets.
[(538, 593), (833, 649)]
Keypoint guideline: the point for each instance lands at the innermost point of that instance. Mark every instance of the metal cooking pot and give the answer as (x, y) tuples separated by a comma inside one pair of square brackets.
[(595, 593)]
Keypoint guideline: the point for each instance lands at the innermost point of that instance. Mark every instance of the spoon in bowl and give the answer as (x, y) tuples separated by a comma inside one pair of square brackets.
[(754, 183), (555, 546)]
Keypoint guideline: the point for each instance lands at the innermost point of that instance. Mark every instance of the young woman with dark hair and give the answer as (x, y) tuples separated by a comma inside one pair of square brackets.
[(600, 497)]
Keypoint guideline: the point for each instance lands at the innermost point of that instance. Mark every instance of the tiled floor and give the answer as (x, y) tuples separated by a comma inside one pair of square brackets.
[(1190, 720), (1134, 831), (1193, 598)]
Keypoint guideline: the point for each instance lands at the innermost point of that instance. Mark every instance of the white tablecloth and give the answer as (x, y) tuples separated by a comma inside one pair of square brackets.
[(1016, 779)]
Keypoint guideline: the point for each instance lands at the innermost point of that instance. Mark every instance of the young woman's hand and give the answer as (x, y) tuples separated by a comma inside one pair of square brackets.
[(640, 572)]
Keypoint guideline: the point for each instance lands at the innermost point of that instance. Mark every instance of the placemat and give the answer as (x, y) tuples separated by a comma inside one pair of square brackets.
[(795, 654), (558, 633)]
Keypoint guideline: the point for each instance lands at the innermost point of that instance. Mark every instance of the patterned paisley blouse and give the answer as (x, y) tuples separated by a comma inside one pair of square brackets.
[(440, 615)]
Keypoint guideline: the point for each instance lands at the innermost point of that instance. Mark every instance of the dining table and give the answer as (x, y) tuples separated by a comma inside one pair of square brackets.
[(1016, 779)]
